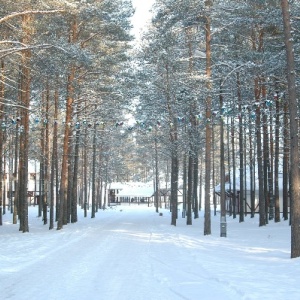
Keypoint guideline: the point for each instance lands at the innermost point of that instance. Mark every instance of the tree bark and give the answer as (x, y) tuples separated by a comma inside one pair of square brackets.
[(85, 174), (276, 158), (24, 128), (208, 129), (53, 162), (64, 168), (189, 189), (156, 173), (222, 172), (251, 168), (195, 185), (74, 203), (184, 188), (285, 163), (233, 187), (266, 151), (1, 135), (262, 206), (241, 152), (174, 183), (63, 203), (294, 131), (94, 173)]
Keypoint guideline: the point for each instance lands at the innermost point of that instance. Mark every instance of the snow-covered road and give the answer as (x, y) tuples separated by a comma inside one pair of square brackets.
[(132, 253)]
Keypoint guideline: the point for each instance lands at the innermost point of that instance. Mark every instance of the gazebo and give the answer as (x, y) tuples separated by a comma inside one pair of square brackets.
[(138, 192)]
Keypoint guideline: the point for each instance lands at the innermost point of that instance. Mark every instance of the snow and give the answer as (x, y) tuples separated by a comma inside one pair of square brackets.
[(133, 189), (247, 184), (131, 253)]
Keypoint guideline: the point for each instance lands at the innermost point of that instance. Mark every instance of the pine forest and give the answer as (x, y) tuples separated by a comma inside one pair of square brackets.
[(206, 101)]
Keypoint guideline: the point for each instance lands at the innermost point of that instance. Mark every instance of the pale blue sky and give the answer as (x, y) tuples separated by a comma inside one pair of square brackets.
[(142, 14)]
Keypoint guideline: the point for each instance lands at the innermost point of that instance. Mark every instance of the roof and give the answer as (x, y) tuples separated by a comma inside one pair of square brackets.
[(247, 184), (133, 189)]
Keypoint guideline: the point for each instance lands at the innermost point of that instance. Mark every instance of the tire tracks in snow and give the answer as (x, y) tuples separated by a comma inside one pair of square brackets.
[(195, 273)]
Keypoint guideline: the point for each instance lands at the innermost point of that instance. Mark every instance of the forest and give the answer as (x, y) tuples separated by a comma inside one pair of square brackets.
[(207, 97)]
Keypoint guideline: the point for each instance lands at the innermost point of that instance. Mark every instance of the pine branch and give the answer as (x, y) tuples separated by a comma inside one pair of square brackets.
[(30, 12)]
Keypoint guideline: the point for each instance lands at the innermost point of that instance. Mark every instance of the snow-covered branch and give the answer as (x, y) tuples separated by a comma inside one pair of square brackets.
[(14, 50), (30, 12)]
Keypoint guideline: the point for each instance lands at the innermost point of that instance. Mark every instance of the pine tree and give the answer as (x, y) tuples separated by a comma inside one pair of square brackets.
[(294, 133)]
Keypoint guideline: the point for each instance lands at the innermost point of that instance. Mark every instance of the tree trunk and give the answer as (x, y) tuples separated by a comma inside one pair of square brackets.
[(64, 168), (214, 171), (266, 151), (85, 174), (67, 216), (156, 173), (222, 173), (195, 185), (234, 192), (42, 170), (200, 182), (16, 172), (241, 151), (208, 129), (174, 183), (294, 132), (24, 128), (74, 216), (189, 189), (184, 188), (4, 186), (10, 189), (271, 167), (229, 179), (251, 168), (100, 180), (63, 203), (1, 135), (53, 162), (47, 150), (44, 161), (276, 158), (285, 163), (94, 174), (262, 206), (190, 179)]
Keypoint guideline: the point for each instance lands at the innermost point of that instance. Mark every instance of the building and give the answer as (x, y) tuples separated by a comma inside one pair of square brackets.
[(129, 192), (249, 190), (9, 183)]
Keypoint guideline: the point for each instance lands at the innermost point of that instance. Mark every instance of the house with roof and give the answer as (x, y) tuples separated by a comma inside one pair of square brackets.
[(250, 188), (137, 192), (9, 182)]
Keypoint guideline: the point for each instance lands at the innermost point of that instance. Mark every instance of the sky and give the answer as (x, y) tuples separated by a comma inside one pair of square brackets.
[(130, 252), (142, 15)]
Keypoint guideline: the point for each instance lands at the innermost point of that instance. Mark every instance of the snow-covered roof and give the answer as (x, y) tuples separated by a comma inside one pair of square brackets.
[(133, 189), (247, 183), (116, 185)]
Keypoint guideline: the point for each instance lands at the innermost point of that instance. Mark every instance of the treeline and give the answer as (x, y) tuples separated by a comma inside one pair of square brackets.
[(64, 81), (213, 88), (221, 77)]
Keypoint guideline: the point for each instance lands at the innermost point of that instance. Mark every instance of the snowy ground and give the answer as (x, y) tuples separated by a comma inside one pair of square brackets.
[(132, 253)]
